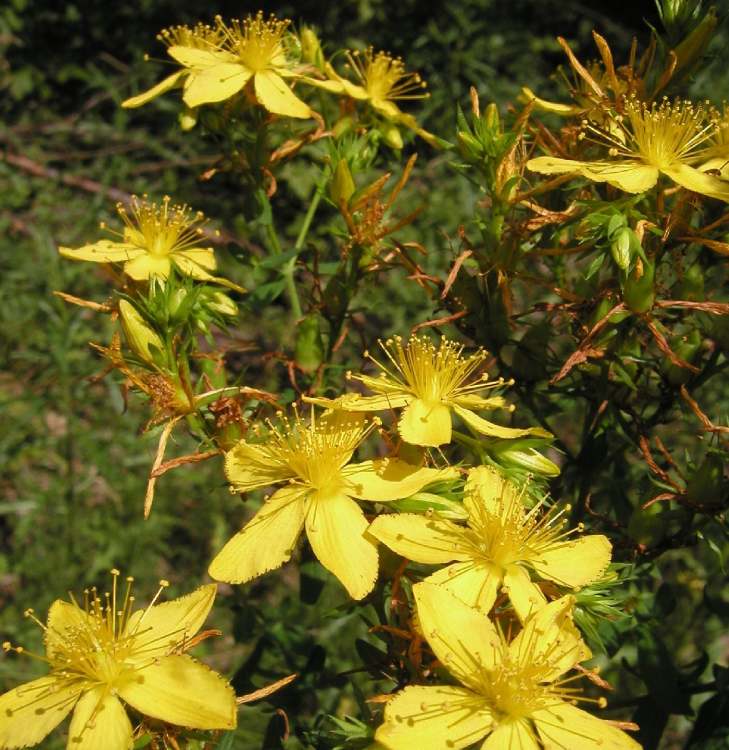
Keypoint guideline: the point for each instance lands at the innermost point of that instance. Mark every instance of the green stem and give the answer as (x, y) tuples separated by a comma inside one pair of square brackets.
[(287, 272)]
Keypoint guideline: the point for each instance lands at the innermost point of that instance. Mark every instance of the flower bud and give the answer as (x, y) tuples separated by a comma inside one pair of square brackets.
[(223, 304), (187, 119), (620, 248), (311, 48), (391, 136), (526, 458), (639, 290), (309, 347), (422, 502), (142, 340), (341, 187)]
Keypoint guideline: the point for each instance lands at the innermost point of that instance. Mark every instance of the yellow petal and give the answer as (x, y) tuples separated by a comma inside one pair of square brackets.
[(631, 176), (275, 96), (389, 110), (165, 85), (511, 735), (179, 690), (265, 542), (333, 87), (496, 430), (474, 401), (699, 182), (418, 538), (550, 636), (526, 596), (717, 163), (464, 640), (565, 727), (30, 711), (146, 266), (434, 718), (574, 563), (356, 402), (353, 90), (99, 721), (391, 479), (336, 527), (103, 251), (62, 617), (194, 57), (423, 423), (157, 630), (249, 466), (475, 583), (488, 490), (215, 84), (201, 256), (546, 106)]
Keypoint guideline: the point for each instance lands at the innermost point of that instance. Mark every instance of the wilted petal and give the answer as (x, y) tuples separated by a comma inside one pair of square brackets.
[(179, 690), (433, 718), (265, 542)]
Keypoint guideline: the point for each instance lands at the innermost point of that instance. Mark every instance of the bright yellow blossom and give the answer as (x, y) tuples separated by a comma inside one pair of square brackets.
[(156, 236), (498, 547), (668, 138), (382, 81), (221, 62), (313, 461), (430, 382), (513, 693), (105, 652)]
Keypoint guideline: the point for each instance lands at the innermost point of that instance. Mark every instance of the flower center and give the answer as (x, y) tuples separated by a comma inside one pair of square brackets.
[(200, 36), (384, 77), (257, 42)]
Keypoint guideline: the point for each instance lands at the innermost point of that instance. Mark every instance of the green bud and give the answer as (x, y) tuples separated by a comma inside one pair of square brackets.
[(223, 304), (686, 348), (491, 117), (638, 290), (694, 46), (620, 248), (423, 502), (175, 302), (341, 187), (311, 48), (707, 486), (391, 136), (342, 127), (142, 340), (187, 119), (309, 347), (527, 459)]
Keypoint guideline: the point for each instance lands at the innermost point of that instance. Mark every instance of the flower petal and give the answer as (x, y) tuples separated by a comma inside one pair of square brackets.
[(103, 251), (698, 181), (526, 596), (496, 430), (631, 176), (474, 401), (387, 479), (265, 542), (565, 727), (30, 711), (179, 690), (336, 527), (99, 721), (249, 466), (215, 84), (194, 57), (201, 256), (275, 96), (423, 423), (357, 402), (145, 266), (432, 718), (475, 583), (464, 640), (557, 108), (511, 735), (487, 490), (574, 563), (419, 538), (165, 85), (550, 635), (157, 630)]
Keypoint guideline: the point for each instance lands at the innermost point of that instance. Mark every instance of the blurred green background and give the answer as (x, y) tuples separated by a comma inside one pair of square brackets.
[(73, 459)]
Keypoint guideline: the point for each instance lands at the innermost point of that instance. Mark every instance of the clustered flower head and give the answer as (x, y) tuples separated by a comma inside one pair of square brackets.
[(104, 653)]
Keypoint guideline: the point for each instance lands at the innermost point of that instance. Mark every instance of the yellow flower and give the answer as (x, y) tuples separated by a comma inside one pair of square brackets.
[(313, 461), (430, 382), (498, 547), (513, 693), (668, 139), (222, 62), (382, 82), (156, 236), (103, 653), (718, 150)]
